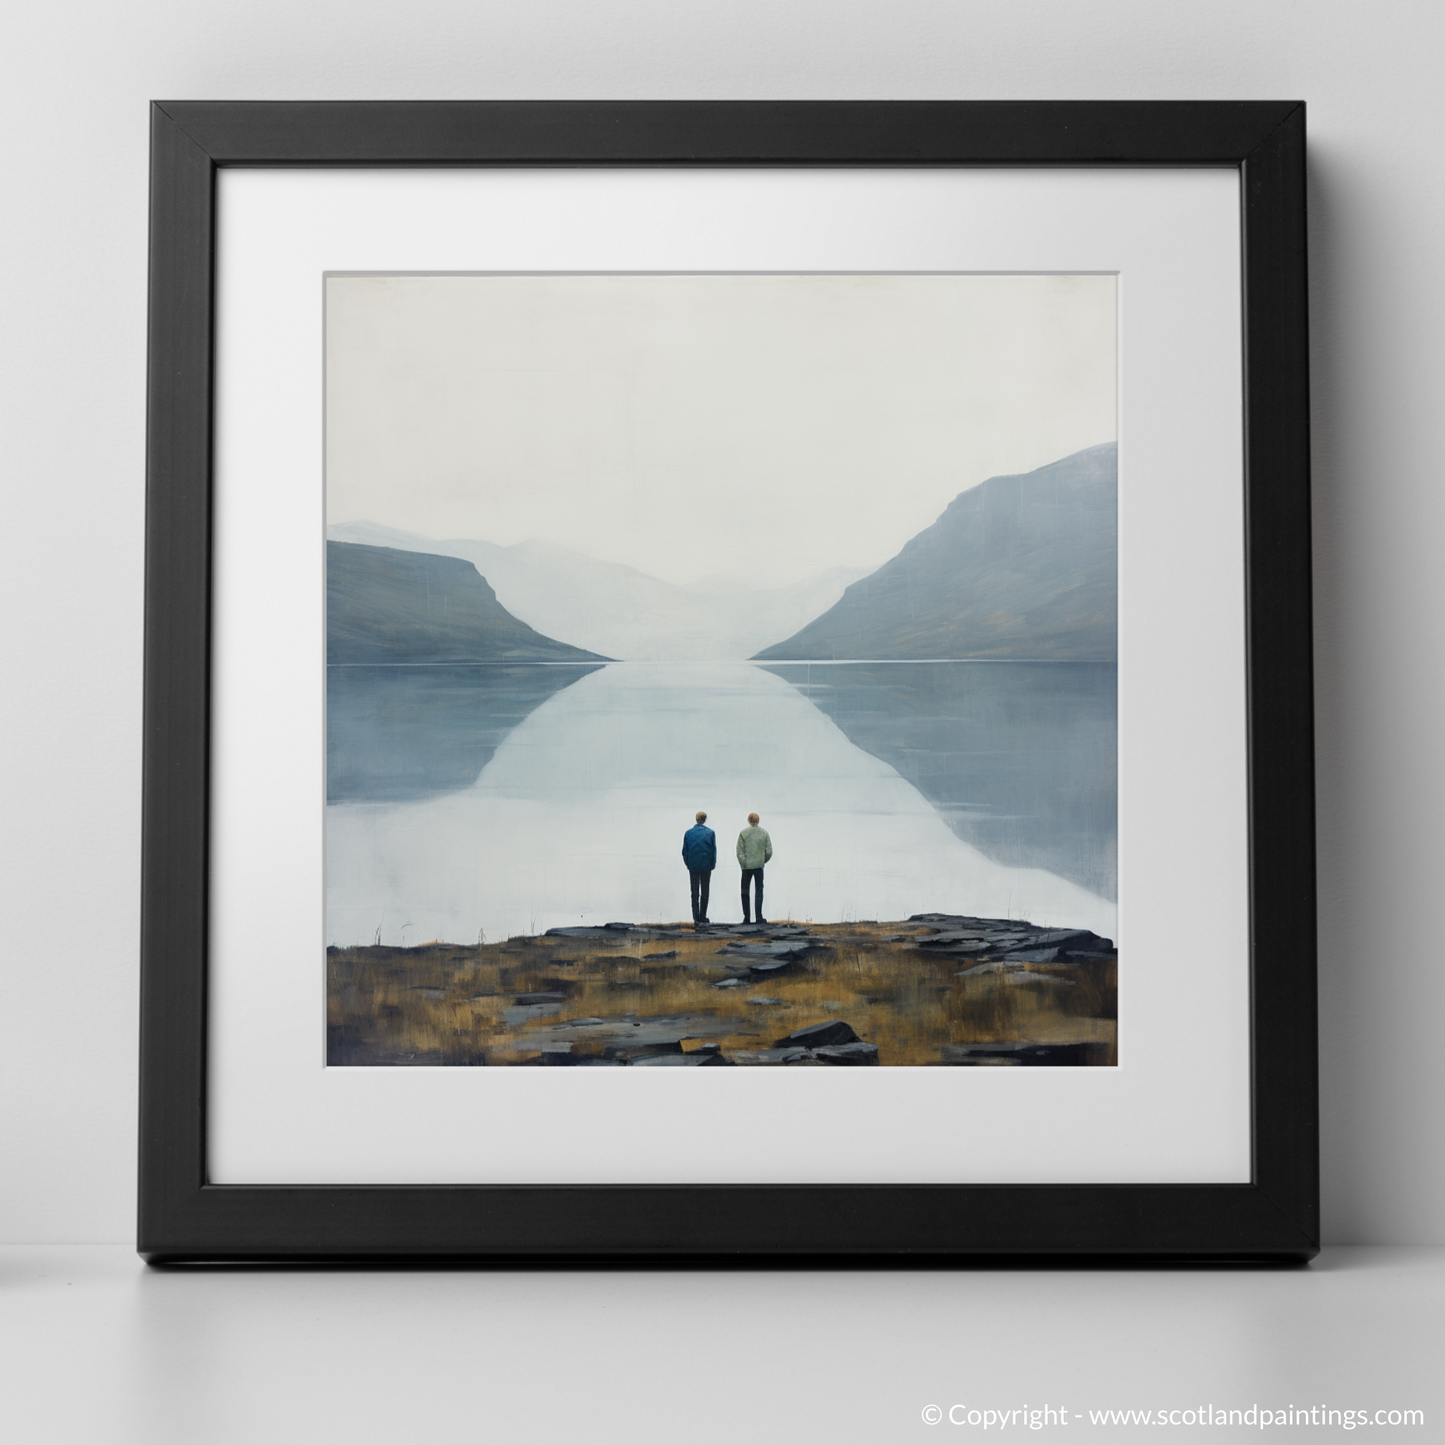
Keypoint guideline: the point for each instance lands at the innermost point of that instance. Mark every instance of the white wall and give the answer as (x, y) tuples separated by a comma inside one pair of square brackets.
[(75, 78)]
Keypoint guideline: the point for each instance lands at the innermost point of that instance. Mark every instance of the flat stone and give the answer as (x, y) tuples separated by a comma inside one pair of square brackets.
[(766, 969), (662, 1032), (1032, 955), (1023, 975), (525, 1013), (831, 1031), (775, 948), (759, 999), (696, 1060), (979, 968), (855, 1053), (557, 1058), (728, 983), (964, 920), (1067, 940), (672, 1048)]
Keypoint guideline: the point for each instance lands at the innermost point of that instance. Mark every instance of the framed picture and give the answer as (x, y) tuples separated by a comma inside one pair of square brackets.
[(728, 680)]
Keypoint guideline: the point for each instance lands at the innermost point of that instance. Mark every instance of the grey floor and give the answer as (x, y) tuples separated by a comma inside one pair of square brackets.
[(96, 1348)]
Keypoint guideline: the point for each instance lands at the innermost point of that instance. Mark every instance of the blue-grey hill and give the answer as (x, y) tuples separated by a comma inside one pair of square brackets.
[(1016, 567), (388, 606)]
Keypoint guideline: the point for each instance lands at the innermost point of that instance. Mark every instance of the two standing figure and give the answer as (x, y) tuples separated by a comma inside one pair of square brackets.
[(699, 853)]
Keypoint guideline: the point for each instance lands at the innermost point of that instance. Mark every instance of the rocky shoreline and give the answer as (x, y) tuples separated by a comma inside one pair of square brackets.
[(937, 988)]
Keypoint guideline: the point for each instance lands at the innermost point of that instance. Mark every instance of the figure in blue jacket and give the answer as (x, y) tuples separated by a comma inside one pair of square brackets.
[(699, 852)]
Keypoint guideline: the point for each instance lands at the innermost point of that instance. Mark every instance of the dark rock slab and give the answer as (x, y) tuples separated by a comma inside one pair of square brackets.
[(831, 1031), (758, 930), (1025, 943), (964, 920), (855, 1053), (699, 1059), (636, 1053), (774, 948), (767, 970), (1066, 941), (1058, 937), (565, 1058)]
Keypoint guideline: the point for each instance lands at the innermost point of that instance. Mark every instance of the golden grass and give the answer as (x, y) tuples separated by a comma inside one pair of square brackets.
[(443, 1004)]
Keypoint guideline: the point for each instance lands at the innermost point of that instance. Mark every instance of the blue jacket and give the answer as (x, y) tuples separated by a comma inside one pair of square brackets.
[(699, 849)]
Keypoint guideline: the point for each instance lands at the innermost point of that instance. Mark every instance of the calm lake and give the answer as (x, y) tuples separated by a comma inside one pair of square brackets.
[(510, 798)]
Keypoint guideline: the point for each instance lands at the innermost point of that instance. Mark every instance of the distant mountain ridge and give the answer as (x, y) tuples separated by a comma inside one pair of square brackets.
[(388, 606), (620, 611), (1019, 566)]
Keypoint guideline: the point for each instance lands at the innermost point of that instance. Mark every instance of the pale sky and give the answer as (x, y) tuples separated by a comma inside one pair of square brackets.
[(767, 427)]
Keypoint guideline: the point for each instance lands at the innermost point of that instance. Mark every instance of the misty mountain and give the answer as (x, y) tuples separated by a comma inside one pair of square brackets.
[(1018, 566), (619, 611), (389, 606)]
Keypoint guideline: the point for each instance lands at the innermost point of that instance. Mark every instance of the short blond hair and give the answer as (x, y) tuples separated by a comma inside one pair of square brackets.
[(702, 817), (753, 819)]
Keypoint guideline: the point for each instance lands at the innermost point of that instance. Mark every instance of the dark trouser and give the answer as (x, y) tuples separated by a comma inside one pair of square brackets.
[(701, 883), (756, 876)]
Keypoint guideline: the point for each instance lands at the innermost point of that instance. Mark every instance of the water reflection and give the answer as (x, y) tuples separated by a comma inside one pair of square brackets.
[(578, 815), (1019, 758), (396, 734)]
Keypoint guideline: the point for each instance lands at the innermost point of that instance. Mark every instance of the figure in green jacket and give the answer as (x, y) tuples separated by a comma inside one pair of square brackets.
[(754, 850)]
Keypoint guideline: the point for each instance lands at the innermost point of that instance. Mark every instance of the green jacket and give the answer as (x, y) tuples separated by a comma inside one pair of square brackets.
[(754, 847)]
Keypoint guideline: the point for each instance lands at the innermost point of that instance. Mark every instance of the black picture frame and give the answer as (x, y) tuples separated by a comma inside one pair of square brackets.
[(182, 1216)]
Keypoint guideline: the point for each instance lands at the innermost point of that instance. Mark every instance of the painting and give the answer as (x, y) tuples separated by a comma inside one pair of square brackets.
[(721, 670)]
